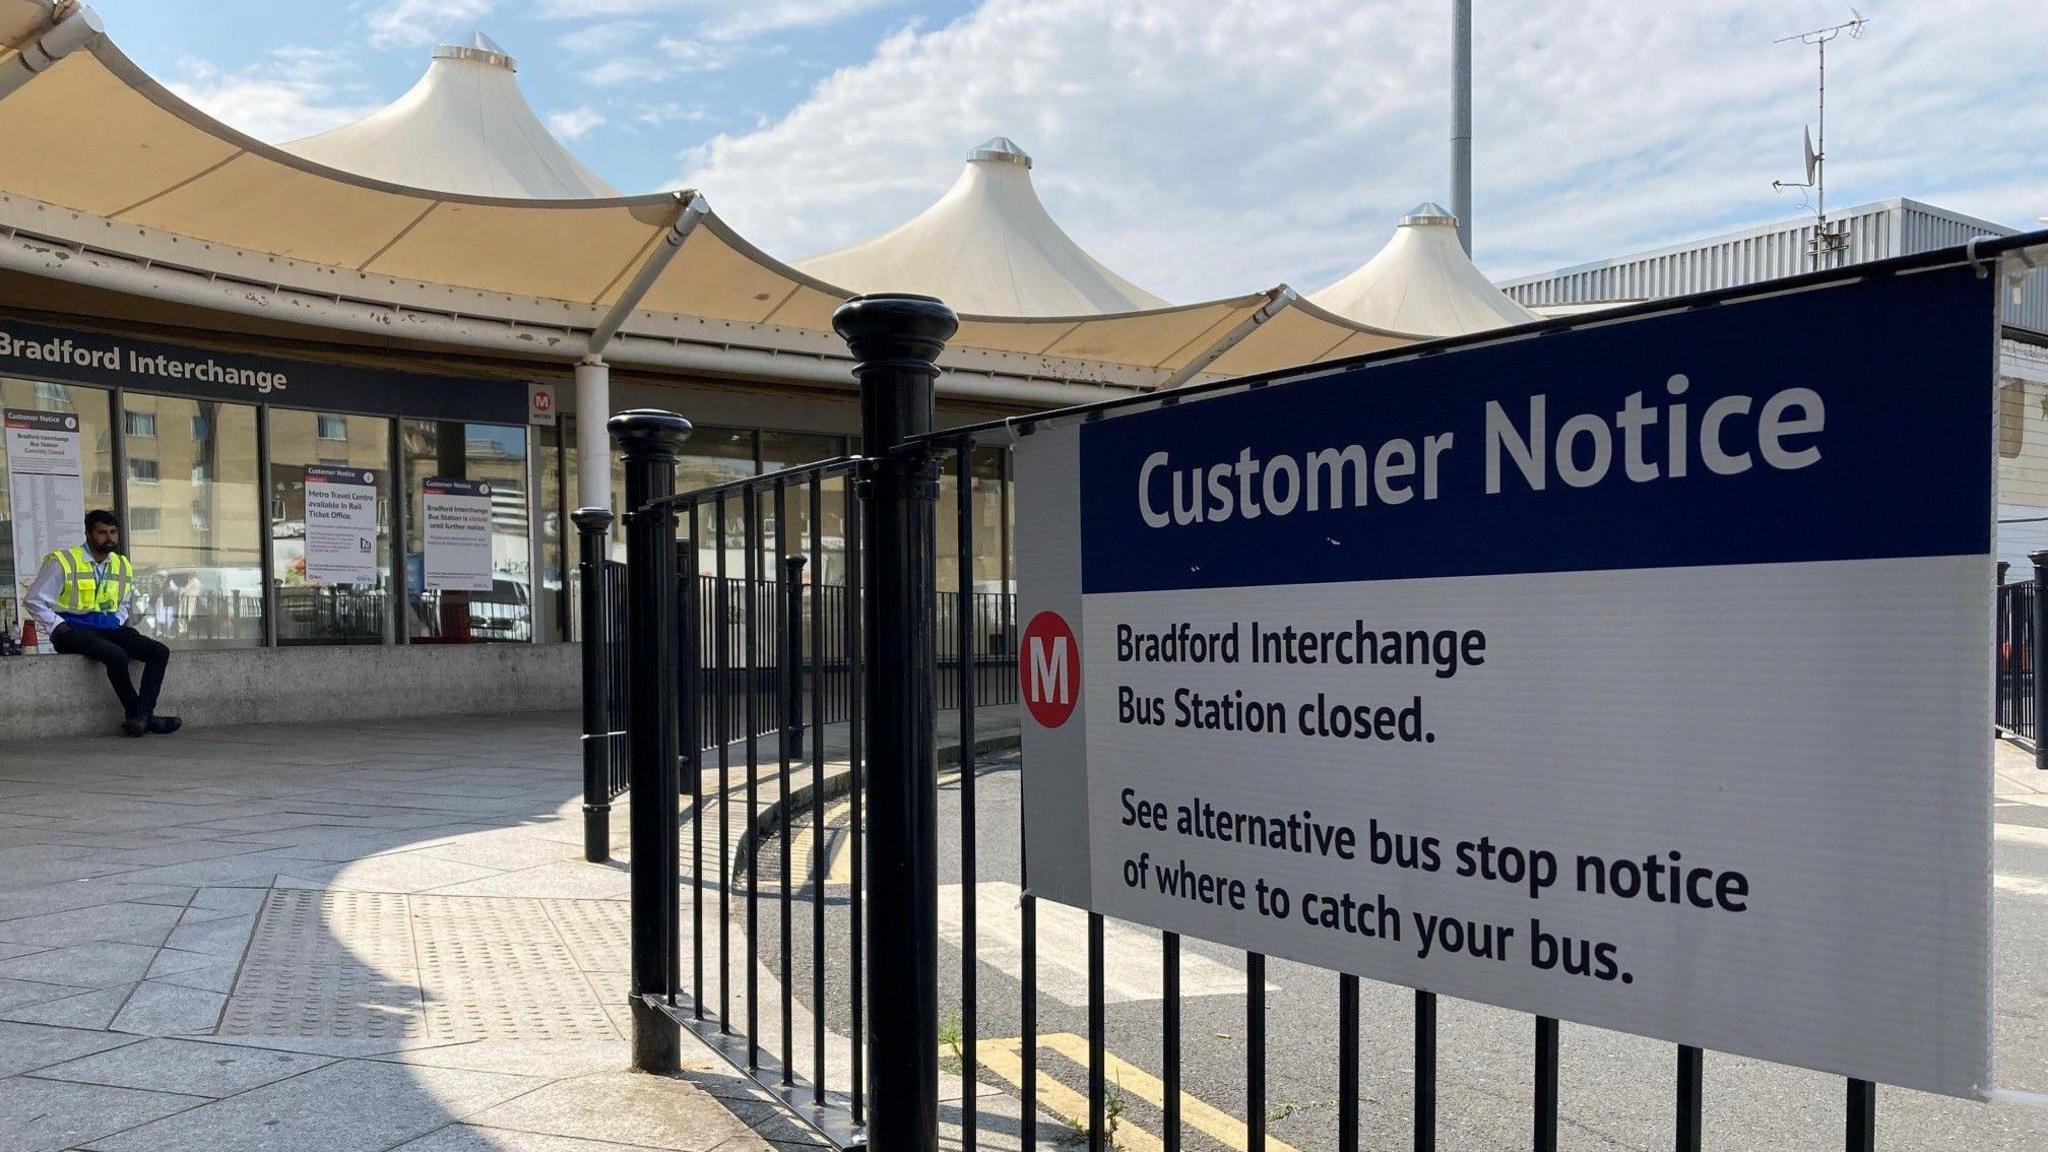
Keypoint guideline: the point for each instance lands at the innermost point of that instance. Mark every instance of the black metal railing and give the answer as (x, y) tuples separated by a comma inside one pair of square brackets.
[(2013, 660), (745, 654), (601, 609)]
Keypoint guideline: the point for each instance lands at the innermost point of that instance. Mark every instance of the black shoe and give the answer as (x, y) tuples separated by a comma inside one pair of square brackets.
[(164, 725), (134, 727)]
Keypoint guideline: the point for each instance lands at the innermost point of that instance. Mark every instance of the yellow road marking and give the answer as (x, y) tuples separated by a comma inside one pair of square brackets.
[(1002, 1058), (839, 841)]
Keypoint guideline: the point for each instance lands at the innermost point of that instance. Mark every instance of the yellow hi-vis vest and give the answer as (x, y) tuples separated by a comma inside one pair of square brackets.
[(83, 593)]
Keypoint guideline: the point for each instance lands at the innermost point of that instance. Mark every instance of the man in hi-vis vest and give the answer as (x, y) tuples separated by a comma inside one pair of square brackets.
[(81, 598)]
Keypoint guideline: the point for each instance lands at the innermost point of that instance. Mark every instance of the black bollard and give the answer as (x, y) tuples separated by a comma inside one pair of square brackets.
[(895, 341), (591, 525), (2037, 630), (649, 440)]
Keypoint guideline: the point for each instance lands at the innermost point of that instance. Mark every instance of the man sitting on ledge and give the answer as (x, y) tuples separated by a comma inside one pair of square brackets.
[(81, 598)]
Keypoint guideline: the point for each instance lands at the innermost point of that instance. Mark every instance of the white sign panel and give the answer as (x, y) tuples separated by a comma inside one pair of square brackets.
[(458, 535), (341, 525), (47, 492), (1635, 675)]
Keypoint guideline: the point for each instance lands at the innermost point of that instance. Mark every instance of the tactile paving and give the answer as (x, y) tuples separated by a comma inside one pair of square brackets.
[(366, 964)]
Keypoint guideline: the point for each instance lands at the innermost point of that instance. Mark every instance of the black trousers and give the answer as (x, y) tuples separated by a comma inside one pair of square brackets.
[(115, 649)]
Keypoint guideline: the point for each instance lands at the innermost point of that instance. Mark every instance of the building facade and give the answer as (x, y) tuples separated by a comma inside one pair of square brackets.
[(1898, 227)]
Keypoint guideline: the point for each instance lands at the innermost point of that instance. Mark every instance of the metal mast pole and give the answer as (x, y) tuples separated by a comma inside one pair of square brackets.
[(1461, 120), (1823, 252)]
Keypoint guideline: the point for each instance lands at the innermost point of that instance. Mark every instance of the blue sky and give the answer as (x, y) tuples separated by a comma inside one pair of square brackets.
[(1198, 147)]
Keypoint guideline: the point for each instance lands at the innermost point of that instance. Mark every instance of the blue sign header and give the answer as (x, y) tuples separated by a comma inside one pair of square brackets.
[(1847, 422)]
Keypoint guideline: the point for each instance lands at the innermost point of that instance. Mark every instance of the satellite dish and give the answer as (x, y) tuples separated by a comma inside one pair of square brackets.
[(1811, 156)]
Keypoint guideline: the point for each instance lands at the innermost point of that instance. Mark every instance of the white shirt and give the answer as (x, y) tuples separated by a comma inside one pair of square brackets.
[(41, 600)]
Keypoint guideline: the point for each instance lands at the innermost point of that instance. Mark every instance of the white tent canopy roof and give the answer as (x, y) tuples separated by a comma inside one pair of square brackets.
[(466, 128), (111, 181), (1423, 282), (988, 246)]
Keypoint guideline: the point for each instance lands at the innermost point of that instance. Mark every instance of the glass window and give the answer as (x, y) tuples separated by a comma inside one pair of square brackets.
[(144, 469), (138, 423), (788, 450), (96, 454), (331, 427), (557, 544), (710, 457), (315, 606), (195, 539), (459, 592), (986, 504)]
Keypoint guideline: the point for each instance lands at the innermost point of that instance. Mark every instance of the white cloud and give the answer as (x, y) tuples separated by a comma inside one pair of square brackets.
[(671, 112), (719, 19), (1204, 147), (574, 122), (403, 23), (745, 20), (295, 92)]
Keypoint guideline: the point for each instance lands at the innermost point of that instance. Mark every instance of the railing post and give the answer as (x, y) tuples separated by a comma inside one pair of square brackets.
[(895, 341), (649, 440), (792, 658), (2033, 658), (2001, 628), (591, 525)]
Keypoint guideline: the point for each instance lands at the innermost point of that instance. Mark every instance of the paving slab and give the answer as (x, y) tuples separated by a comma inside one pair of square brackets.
[(227, 935), (83, 965), (188, 1067), (16, 993), (46, 1115), (94, 1009), (97, 923), (324, 1110), (159, 1008), (26, 1047), (470, 1138), (552, 1058), (621, 1107), (408, 872)]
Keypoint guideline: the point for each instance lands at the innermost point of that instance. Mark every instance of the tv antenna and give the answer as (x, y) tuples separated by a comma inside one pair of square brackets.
[(1826, 240)]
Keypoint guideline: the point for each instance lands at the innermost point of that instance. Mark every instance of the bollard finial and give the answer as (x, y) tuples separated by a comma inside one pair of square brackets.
[(649, 432), (592, 519), (895, 326)]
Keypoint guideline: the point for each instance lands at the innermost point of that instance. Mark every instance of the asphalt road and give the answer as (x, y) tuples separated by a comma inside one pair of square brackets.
[(1616, 1089)]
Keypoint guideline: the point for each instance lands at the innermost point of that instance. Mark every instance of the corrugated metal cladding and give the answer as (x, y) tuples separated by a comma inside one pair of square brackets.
[(1892, 228)]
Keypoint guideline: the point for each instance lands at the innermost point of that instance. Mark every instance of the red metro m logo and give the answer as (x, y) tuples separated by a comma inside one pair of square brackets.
[(1049, 669)]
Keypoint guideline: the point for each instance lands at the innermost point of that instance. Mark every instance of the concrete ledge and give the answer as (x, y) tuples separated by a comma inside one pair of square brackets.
[(45, 696)]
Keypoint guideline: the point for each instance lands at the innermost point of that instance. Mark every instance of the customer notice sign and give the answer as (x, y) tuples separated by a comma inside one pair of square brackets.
[(1635, 675)]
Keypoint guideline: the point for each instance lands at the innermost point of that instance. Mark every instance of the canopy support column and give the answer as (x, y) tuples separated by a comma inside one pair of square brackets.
[(1282, 297), (593, 445), (594, 376)]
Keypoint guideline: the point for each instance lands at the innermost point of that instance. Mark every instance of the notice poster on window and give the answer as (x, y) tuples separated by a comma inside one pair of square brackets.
[(458, 535), (48, 491), (341, 525)]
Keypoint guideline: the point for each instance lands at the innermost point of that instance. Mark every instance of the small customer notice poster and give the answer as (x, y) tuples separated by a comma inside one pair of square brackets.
[(341, 525), (458, 534), (1634, 674), (47, 491)]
